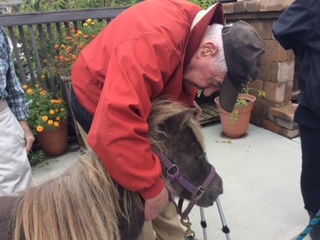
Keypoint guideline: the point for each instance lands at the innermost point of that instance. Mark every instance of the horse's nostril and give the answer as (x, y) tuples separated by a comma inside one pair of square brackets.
[(213, 198)]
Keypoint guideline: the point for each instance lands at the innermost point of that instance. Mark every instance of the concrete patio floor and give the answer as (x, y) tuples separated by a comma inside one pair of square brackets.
[(261, 172)]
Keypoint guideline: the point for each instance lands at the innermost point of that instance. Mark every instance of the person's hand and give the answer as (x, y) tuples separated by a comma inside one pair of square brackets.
[(29, 139), (154, 206), (29, 136)]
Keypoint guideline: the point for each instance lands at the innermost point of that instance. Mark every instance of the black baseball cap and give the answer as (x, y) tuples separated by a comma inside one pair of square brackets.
[(243, 50)]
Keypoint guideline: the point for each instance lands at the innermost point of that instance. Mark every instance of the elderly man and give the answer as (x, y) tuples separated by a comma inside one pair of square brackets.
[(156, 48)]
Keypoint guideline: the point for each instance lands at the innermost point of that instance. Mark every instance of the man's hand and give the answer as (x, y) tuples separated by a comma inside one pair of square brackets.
[(154, 206), (29, 136)]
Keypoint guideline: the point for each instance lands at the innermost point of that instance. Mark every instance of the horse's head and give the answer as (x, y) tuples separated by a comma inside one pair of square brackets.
[(178, 138)]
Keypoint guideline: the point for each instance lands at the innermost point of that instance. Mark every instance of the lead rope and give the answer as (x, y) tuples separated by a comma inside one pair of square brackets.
[(189, 233), (185, 221), (314, 221)]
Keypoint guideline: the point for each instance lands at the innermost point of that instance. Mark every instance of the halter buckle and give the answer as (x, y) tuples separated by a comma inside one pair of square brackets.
[(198, 193), (172, 172)]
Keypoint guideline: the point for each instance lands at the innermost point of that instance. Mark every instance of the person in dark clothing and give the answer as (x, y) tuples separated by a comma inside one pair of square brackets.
[(298, 28)]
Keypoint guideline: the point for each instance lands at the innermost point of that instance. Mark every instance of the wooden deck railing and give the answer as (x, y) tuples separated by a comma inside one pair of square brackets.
[(39, 27)]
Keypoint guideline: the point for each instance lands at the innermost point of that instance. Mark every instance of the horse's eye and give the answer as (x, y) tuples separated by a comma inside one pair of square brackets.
[(200, 157)]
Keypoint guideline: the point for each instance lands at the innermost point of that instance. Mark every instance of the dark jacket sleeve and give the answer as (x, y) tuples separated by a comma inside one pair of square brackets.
[(298, 28)]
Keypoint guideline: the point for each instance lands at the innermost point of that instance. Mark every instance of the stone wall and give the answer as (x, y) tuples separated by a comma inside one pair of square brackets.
[(275, 111)]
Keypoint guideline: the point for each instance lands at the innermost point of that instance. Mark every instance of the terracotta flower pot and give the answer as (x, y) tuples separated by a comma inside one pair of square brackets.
[(236, 124), (54, 142)]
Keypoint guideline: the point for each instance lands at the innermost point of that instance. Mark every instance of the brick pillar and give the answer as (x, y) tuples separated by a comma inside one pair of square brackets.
[(275, 111)]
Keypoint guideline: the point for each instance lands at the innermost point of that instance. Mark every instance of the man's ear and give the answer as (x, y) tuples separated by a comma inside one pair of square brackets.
[(208, 48)]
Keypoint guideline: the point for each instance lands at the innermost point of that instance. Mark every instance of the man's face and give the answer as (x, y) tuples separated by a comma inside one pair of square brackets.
[(203, 73)]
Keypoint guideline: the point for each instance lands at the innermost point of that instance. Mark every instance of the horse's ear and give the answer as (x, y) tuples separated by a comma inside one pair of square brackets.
[(179, 120)]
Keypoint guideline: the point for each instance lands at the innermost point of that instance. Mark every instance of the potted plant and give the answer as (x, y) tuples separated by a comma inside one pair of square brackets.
[(48, 119), (64, 52), (236, 124)]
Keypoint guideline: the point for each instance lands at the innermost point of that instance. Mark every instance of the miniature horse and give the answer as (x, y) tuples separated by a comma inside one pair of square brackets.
[(85, 203)]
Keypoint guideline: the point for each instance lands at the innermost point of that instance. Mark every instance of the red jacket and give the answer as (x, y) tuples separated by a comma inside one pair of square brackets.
[(136, 59)]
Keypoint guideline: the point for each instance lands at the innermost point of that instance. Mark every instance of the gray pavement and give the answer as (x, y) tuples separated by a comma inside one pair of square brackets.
[(261, 172)]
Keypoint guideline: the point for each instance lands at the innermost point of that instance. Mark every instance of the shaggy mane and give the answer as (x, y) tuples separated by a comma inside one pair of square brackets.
[(62, 199), (164, 109)]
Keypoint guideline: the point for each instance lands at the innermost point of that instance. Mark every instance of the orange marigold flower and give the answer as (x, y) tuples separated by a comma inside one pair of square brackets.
[(37, 86), (56, 124), (40, 129), (43, 77), (69, 39), (45, 118), (69, 49), (56, 101), (50, 122), (61, 58), (52, 112), (62, 109), (86, 36), (43, 92), (25, 87), (81, 46), (74, 57), (56, 46), (58, 118), (30, 91)]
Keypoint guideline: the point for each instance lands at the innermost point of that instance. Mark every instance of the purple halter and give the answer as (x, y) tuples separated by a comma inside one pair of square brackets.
[(173, 172)]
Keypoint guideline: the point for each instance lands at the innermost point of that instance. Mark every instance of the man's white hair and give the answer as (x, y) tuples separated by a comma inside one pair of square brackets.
[(213, 33)]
